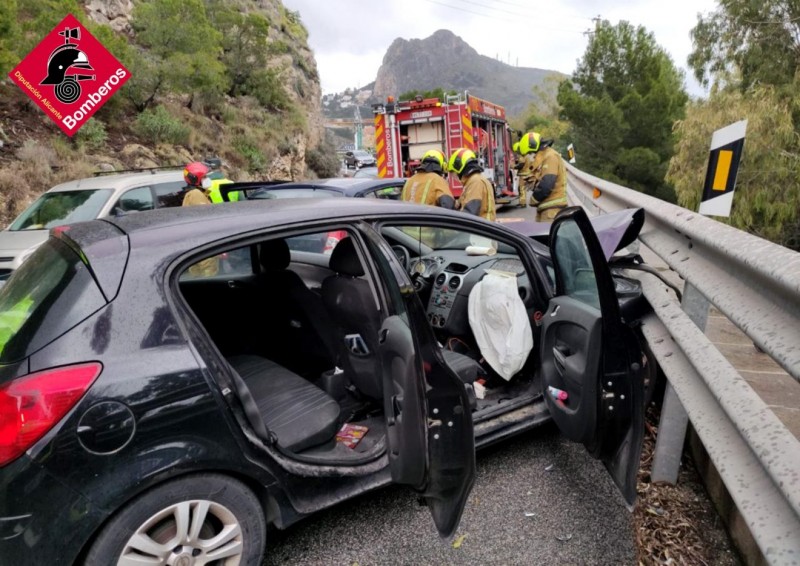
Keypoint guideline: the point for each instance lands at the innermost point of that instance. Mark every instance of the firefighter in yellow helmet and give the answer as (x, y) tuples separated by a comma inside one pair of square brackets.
[(546, 178), (477, 197), (426, 185)]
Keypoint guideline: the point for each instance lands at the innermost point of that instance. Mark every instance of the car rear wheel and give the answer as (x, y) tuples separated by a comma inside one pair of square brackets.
[(199, 520)]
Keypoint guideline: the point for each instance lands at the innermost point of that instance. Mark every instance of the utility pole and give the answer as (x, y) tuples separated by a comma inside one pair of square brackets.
[(597, 21), (359, 127)]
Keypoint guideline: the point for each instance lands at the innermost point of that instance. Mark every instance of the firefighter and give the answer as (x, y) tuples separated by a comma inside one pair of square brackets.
[(524, 171), (546, 178), (477, 197), (427, 185), (196, 193)]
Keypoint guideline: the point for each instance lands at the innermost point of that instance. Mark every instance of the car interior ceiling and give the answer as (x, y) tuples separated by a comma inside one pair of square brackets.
[(298, 327)]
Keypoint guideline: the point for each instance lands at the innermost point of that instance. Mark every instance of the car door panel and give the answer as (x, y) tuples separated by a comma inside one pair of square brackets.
[(429, 423), (591, 360)]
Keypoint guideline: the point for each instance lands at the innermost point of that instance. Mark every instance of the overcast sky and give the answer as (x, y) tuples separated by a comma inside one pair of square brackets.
[(350, 37)]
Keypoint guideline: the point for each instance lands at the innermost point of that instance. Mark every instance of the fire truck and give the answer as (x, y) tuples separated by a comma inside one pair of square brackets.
[(405, 130)]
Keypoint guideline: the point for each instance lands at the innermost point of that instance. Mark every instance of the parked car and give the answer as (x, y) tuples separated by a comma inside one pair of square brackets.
[(358, 158), (85, 199), (151, 412)]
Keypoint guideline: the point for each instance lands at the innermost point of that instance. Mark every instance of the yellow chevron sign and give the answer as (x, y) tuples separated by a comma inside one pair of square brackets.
[(723, 165)]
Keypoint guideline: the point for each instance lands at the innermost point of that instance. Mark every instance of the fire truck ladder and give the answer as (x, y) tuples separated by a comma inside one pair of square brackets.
[(455, 129)]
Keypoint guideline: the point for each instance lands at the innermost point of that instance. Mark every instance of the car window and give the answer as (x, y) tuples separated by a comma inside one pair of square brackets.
[(387, 193), (575, 265), (62, 207), (233, 263), (50, 293), (319, 242), (137, 199), (168, 194)]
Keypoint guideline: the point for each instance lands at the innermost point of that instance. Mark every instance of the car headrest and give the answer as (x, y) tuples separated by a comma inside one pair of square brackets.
[(274, 255), (344, 259)]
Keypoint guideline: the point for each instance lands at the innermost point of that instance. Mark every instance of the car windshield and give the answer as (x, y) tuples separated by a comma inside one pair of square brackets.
[(434, 238), (362, 154), (64, 207), (300, 192)]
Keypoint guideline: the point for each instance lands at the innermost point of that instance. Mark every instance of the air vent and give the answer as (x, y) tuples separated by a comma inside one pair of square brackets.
[(440, 279), (456, 268), (454, 283)]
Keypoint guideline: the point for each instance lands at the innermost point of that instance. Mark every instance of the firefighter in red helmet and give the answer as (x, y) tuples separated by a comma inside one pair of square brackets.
[(196, 193)]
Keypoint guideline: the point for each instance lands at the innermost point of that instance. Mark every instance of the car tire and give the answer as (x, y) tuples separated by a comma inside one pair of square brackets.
[(222, 521)]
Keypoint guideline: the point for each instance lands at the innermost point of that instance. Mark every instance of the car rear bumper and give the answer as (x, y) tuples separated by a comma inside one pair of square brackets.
[(34, 506)]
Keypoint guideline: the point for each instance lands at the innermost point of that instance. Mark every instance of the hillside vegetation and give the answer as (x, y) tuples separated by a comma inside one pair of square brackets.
[(209, 77)]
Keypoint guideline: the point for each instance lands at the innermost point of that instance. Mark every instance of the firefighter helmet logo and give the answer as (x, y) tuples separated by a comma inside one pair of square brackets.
[(81, 75), (66, 66)]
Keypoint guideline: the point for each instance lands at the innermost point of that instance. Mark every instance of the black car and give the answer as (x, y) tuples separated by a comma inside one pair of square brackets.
[(174, 381), (388, 189)]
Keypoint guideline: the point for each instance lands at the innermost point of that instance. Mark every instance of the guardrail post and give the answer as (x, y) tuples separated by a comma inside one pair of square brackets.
[(674, 420)]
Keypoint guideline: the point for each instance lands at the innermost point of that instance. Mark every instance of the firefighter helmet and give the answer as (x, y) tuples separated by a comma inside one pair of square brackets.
[(530, 143), (459, 160), (194, 173), (434, 156)]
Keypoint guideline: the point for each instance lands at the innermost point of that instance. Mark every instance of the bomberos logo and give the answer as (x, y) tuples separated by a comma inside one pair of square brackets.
[(69, 75)]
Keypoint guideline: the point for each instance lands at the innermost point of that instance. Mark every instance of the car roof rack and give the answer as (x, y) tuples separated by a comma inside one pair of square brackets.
[(152, 170)]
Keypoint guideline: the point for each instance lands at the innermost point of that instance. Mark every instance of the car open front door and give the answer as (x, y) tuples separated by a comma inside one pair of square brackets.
[(431, 442), (591, 360)]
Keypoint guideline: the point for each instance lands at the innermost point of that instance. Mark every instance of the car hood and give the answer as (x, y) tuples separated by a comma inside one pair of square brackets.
[(615, 230), (21, 240)]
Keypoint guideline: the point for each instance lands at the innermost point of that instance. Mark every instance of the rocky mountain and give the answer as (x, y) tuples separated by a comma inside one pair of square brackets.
[(445, 60)]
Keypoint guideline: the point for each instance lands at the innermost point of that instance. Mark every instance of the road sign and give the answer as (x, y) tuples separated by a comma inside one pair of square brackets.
[(571, 153), (723, 164)]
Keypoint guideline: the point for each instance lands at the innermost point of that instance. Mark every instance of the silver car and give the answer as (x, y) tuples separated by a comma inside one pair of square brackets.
[(85, 199)]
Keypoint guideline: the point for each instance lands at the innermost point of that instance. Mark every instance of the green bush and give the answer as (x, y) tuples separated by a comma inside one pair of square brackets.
[(324, 163), (158, 125), (250, 151), (92, 134)]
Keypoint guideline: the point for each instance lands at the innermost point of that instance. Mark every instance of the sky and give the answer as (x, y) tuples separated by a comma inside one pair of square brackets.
[(350, 37)]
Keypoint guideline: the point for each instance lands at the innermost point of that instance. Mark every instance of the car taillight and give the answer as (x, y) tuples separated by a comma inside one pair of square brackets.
[(32, 405)]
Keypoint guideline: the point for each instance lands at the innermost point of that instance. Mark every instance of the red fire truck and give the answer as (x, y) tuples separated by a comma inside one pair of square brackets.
[(405, 130)]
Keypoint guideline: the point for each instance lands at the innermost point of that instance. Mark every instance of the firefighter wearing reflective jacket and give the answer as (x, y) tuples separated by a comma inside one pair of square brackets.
[(477, 197), (547, 178), (427, 186), (196, 193)]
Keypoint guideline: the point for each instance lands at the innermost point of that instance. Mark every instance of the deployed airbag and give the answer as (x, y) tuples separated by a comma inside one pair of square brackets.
[(500, 323)]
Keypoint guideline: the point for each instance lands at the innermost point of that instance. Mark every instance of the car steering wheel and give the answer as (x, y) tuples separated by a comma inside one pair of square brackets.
[(402, 254)]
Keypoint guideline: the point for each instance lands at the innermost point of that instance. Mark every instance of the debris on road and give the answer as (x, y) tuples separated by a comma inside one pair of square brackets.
[(528, 514), (457, 543), (549, 468), (564, 538)]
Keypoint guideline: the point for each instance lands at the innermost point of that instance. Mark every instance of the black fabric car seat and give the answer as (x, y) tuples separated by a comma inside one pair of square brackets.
[(356, 319), (298, 413), (299, 321)]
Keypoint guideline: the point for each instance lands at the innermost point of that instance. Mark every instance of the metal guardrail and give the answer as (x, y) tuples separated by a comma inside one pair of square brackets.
[(756, 284)]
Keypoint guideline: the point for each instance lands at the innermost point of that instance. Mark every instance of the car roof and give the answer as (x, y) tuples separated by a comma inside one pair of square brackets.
[(188, 227), (120, 180)]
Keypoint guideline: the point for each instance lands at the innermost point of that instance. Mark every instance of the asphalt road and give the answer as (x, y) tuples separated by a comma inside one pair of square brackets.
[(578, 517), (538, 499)]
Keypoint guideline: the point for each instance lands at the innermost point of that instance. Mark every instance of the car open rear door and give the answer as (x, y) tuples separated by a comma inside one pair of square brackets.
[(591, 360), (431, 442)]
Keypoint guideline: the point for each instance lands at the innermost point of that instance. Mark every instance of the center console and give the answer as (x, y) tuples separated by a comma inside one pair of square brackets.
[(443, 296)]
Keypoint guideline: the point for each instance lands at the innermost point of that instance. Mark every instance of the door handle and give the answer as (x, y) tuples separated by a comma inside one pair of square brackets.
[(383, 335)]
